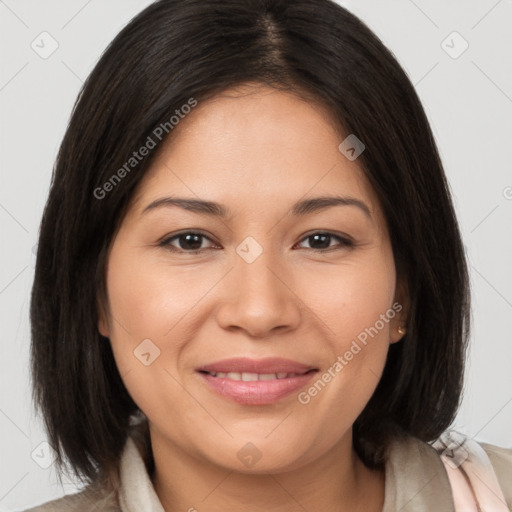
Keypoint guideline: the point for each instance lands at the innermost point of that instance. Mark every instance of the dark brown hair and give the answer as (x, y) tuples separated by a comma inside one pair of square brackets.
[(176, 50)]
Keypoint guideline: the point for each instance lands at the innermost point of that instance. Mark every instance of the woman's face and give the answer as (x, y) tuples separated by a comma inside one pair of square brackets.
[(262, 287)]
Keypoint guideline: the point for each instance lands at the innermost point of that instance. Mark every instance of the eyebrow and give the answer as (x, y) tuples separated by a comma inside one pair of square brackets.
[(300, 208)]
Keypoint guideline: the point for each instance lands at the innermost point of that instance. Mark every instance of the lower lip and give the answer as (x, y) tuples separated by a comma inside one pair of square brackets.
[(259, 392)]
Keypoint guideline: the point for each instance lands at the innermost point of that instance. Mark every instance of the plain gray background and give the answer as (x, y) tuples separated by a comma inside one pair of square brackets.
[(466, 92)]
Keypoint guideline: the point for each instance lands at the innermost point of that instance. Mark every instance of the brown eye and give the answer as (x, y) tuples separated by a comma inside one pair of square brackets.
[(322, 241), (189, 241)]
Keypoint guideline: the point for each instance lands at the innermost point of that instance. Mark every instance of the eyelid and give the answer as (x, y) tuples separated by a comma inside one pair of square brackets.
[(165, 241), (346, 242)]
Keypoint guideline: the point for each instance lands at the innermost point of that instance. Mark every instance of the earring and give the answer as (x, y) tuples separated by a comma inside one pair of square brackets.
[(401, 330)]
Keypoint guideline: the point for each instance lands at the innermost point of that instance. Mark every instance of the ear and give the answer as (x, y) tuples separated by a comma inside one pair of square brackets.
[(103, 323), (398, 324)]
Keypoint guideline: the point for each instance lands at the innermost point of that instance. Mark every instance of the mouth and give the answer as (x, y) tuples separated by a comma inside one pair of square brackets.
[(256, 382), (270, 366), (252, 377)]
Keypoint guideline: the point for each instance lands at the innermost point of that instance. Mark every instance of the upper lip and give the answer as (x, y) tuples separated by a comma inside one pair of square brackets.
[(262, 366)]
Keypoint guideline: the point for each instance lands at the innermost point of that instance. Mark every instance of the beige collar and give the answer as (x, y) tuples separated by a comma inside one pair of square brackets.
[(416, 479), (137, 492)]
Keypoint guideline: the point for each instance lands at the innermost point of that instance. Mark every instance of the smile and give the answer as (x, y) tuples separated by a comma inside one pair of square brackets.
[(248, 388), (252, 377)]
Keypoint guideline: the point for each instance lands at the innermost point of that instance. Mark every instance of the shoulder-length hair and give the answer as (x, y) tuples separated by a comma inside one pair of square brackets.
[(176, 52)]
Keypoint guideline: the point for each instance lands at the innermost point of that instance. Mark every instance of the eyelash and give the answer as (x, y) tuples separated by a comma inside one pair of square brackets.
[(346, 243)]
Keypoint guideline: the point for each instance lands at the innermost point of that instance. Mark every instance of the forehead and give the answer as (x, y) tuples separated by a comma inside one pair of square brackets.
[(254, 147)]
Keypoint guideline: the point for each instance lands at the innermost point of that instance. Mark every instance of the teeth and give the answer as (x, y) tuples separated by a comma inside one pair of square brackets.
[(251, 377), (267, 376)]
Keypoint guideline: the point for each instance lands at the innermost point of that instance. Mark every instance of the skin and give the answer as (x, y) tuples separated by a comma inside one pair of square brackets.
[(256, 151)]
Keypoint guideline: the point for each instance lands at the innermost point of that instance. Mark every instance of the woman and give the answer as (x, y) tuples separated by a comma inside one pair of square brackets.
[(250, 289)]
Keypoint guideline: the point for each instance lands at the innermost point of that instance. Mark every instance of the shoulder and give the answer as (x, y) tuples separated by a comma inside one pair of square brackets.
[(91, 499), (415, 478), (501, 460)]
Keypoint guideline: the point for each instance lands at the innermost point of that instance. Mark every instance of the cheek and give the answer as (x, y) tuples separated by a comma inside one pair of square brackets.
[(351, 298), (355, 305), (144, 307), (147, 297), (138, 301), (154, 309)]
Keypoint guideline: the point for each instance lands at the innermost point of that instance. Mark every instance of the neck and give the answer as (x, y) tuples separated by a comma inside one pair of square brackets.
[(337, 481)]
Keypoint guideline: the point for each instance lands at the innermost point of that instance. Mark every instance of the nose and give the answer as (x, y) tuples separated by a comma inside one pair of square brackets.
[(258, 298)]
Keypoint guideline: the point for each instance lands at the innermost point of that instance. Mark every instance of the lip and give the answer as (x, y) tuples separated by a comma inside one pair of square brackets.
[(260, 392)]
